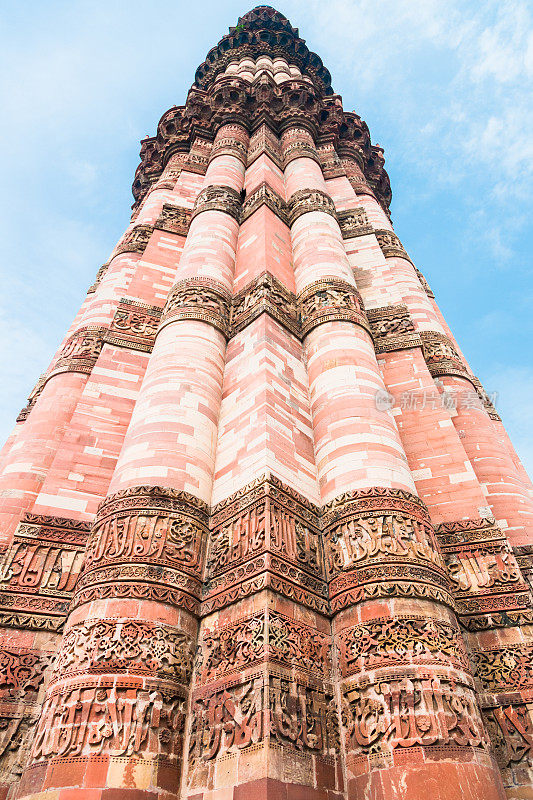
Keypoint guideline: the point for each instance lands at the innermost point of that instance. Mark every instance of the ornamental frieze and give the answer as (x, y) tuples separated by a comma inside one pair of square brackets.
[(296, 150), (229, 145), (390, 244), (400, 713), (354, 222), (524, 559), (143, 721), (485, 399), (328, 300), (330, 162), (80, 352), (32, 399), (174, 219), (264, 295), (505, 669), (306, 200), (265, 636), (134, 325), (264, 142), (201, 299), (134, 240), (218, 198), (389, 642), (142, 584), (510, 728), (149, 525), (425, 284), (264, 195), (99, 275), (441, 356), (124, 645), (22, 672), (392, 329)]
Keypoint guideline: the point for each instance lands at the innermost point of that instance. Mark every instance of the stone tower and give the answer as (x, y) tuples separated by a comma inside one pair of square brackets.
[(264, 536)]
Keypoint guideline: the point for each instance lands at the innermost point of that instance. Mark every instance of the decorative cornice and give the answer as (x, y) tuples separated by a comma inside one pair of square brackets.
[(218, 198), (306, 200), (202, 299), (392, 328), (328, 300), (354, 222), (264, 295), (174, 219)]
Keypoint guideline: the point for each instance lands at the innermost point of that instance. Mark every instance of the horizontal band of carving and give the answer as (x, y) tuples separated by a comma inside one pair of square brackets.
[(400, 641), (485, 399), (264, 142), (118, 720), (425, 284), (265, 636), (148, 526), (174, 219), (202, 299), (230, 146), (264, 195), (262, 708), (501, 618), (306, 200), (299, 150), (354, 222), (506, 669), (441, 356), (80, 352), (329, 300), (361, 501), (99, 275), (468, 531), (130, 589), (134, 240), (124, 645), (33, 622), (264, 295), (218, 198), (361, 187), (390, 244), (134, 325), (510, 728), (425, 711), (332, 166), (392, 329), (32, 399)]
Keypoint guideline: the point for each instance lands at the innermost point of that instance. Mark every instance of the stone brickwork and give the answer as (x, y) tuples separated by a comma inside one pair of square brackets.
[(262, 533)]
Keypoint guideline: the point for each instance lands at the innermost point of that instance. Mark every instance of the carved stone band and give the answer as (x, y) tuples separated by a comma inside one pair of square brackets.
[(202, 299), (218, 198), (134, 325), (392, 329), (174, 219), (134, 240), (330, 299), (306, 200), (80, 352), (299, 150), (442, 357), (390, 244), (265, 195), (231, 146), (264, 295), (425, 284), (354, 222)]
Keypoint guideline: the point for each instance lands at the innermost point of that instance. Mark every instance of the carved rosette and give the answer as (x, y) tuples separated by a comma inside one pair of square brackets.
[(38, 573), (264, 536), (392, 329), (441, 356), (354, 222), (134, 325), (488, 587), (134, 240), (147, 542), (328, 300), (218, 198), (202, 299), (174, 219), (390, 244), (264, 295), (264, 195), (380, 543), (306, 200), (80, 352)]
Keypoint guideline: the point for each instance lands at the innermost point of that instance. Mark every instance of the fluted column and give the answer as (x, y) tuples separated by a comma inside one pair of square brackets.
[(114, 714), (402, 708)]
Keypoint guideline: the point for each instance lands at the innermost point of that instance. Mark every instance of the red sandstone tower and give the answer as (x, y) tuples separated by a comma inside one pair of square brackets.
[(264, 536)]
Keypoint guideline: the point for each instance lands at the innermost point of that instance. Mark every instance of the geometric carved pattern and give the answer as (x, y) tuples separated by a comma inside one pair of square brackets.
[(305, 200)]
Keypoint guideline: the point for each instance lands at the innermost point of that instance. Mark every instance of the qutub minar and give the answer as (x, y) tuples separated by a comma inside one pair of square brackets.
[(264, 536)]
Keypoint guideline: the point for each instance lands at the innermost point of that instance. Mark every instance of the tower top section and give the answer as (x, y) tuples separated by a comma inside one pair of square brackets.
[(260, 73), (263, 31)]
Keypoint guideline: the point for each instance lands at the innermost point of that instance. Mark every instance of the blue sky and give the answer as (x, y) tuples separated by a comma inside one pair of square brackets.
[(443, 85)]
